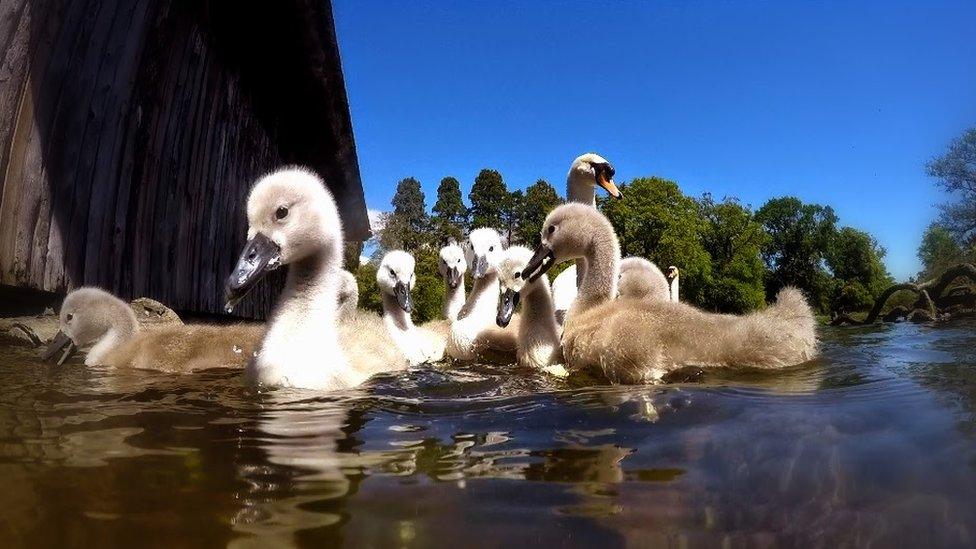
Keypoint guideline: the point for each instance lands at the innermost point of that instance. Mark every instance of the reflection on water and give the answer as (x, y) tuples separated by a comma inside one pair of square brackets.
[(873, 444)]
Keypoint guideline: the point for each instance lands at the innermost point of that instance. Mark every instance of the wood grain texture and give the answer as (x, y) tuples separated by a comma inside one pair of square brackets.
[(131, 131)]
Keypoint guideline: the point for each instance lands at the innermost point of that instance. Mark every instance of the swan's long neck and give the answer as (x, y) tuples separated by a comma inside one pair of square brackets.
[(579, 188), (674, 289), (121, 331), (538, 311), (301, 347), (599, 283), (483, 301), (394, 316), (453, 300)]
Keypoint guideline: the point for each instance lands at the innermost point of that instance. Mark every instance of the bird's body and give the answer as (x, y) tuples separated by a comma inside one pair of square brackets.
[(639, 340)]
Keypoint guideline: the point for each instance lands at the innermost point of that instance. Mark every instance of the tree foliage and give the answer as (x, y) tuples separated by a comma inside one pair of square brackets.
[(799, 237), (654, 219), (488, 199), (856, 261), (540, 199), (450, 217), (407, 225), (939, 250), (956, 171), (733, 240)]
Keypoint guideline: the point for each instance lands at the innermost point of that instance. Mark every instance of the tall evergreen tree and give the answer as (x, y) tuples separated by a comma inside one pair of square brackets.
[(512, 214), (488, 198), (407, 225), (540, 199), (450, 217)]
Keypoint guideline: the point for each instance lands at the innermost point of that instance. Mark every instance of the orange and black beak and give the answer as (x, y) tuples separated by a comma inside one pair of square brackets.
[(604, 178)]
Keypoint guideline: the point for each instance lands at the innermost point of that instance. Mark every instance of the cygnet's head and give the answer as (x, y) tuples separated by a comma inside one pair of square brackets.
[(512, 264), (569, 231), (395, 277), (672, 273), (484, 251), (86, 315), (596, 169), (452, 265), (291, 216), (637, 278)]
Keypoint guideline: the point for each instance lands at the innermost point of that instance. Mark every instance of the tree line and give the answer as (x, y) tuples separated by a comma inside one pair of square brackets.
[(732, 258)]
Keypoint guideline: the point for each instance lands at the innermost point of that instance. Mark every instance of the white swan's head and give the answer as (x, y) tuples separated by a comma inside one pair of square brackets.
[(595, 171), (569, 232), (86, 315), (291, 216), (673, 272), (512, 264), (396, 277), (484, 251), (452, 265)]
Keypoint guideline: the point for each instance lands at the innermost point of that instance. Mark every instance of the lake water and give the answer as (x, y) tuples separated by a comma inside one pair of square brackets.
[(873, 444)]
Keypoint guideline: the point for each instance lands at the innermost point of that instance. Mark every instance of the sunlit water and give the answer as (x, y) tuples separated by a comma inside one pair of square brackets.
[(873, 444)]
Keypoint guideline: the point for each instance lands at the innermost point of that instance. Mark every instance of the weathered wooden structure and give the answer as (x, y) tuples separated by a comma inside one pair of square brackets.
[(131, 130)]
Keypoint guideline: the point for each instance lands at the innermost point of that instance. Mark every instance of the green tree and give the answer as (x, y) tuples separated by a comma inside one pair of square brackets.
[(856, 260), (939, 251), (956, 171), (734, 241), (488, 198), (450, 217), (654, 219), (540, 199), (407, 225), (512, 214), (799, 237)]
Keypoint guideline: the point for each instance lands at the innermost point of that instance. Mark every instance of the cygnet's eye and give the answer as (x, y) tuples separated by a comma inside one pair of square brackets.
[(392, 273), (491, 248), (68, 317), (552, 229), (281, 212)]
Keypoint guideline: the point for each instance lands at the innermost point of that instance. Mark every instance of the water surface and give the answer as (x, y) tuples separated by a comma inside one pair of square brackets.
[(872, 444)]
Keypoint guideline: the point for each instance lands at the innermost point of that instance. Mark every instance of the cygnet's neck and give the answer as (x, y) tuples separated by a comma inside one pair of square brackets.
[(483, 301), (301, 348), (453, 300), (579, 188), (394, 316), (674, 289), (123, 327), (599, 283), (538, 311)]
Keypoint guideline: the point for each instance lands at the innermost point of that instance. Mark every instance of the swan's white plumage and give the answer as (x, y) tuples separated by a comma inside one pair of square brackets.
[(419, 344)]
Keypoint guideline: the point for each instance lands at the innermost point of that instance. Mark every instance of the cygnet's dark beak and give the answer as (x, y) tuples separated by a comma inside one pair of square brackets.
[(60, 342), (541, 261), (480, 266), (506, 307), (453, 277), (260, 256), (402, 294)]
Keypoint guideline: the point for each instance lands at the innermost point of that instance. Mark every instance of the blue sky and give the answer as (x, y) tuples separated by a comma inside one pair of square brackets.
[(839, 103)]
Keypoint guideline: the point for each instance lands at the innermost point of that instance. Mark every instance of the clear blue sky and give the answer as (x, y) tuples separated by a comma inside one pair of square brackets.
[(835, 102)]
